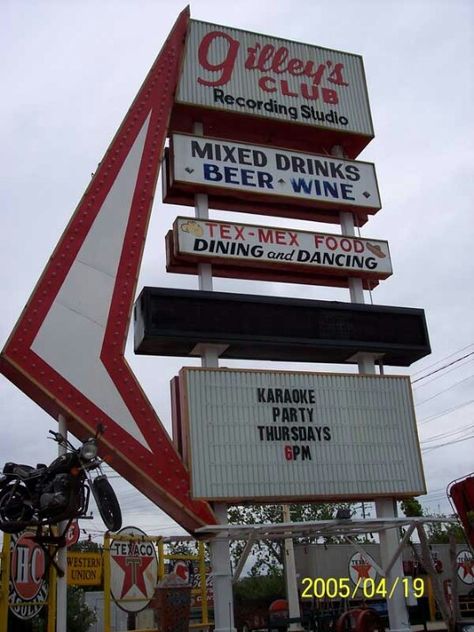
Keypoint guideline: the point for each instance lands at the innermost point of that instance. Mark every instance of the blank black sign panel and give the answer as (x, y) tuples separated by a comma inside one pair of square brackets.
[(172, 322)]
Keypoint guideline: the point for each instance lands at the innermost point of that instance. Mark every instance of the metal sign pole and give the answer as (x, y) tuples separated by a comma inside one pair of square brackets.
[(220, 546), (4, 582), (291, 577), (385, 507), (52, 579), (61, 582), (107, 596)]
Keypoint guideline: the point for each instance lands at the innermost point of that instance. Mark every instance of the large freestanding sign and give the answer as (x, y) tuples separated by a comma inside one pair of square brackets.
[(262, 76), (66, 351), (270, 435)]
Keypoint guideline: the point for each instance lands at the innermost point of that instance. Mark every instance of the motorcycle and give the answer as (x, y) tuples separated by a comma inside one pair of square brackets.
[(45, 495)]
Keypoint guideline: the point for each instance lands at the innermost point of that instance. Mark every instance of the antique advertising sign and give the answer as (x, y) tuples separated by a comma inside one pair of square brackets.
[(258, 75), (133, 569), (221, 167), (84, 568), (28, 588), (267, 253), (269, 435)]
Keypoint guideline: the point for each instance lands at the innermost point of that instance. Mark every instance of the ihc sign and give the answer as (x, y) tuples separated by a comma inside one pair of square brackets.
[(27, 581)]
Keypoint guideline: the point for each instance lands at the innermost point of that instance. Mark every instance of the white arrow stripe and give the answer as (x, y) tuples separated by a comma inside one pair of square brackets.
[(71, 336)]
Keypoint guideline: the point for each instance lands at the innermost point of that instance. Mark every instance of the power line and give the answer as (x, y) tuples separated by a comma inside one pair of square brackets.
[(466, 379), (445, 412), (443, 367), (442, 445), (443, 435), (437, 377), (443, 359)]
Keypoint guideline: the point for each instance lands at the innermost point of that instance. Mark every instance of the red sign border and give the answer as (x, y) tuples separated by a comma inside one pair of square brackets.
[(160, 474)]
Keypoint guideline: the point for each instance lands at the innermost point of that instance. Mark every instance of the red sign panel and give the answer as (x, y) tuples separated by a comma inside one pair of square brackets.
[(67, 349)]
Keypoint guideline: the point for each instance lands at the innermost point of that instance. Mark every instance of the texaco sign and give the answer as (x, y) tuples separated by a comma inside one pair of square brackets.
[(133, 570), (465, 567)]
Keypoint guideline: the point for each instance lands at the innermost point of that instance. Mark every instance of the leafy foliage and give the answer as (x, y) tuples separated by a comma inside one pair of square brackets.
[(267, 555), (87, 546), (261, 590), (438, 533), (79, 616), (411, 507)]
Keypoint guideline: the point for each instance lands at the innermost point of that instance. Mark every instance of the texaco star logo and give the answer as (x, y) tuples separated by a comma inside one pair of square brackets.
[(133, 570), (361, 567), (465, 566)]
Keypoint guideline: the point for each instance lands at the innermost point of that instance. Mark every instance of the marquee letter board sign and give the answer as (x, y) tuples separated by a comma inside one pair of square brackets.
[(274, 435)]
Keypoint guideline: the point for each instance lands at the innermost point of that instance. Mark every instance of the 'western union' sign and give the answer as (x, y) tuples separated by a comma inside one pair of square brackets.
[(84, 569)]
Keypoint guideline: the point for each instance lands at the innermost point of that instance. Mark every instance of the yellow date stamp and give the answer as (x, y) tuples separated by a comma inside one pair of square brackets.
[(368, 588)]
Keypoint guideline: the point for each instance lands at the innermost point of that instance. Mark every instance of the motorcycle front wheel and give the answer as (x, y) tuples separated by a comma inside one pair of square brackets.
[(15, 512), (107, 503)]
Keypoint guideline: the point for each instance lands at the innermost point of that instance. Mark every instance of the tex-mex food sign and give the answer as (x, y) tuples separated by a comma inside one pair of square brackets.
[(310, 256), (259, 75)]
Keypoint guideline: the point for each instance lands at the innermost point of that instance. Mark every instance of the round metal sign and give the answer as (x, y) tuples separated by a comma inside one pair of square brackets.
[(27, 581), (73, 533), (465, 566), (361, 567), (133, 569), (183, 570)]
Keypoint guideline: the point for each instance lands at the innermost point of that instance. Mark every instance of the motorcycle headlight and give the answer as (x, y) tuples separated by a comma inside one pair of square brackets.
[(89, 450)]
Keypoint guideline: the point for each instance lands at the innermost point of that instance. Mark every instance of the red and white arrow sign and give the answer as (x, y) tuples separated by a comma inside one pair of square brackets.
[(67, 349)]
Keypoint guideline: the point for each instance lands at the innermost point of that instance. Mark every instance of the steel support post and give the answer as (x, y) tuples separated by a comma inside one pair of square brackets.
[(291, 578), (222, 576), (220, 546), (389, 539), (107, 595), (61, 582), (5, 582), (385, 507)]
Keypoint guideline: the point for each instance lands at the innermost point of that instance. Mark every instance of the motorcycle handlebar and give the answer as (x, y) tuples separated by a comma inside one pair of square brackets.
[(57, 436)]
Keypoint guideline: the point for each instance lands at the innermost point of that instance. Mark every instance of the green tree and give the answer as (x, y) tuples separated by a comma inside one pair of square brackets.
[(79, 616), (439, 532), (411, 507), (267, 555), (87, 546), (261, 590)]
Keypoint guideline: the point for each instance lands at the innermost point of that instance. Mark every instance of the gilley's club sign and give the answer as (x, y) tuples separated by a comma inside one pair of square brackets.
[(247, 73)]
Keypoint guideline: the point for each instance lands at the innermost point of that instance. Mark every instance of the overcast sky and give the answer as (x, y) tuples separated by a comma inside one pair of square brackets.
[(70, 71)]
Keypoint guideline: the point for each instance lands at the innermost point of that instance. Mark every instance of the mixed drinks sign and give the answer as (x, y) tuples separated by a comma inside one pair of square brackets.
[(259, 75), (268, 435), (306, 254), (312, 180)]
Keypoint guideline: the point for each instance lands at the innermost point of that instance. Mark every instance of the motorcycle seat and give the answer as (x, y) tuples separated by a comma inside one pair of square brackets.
[(23, 471)]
